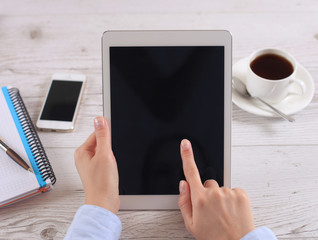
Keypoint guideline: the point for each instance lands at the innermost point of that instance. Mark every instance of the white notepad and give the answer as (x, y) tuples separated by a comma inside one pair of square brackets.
[(17, 131)]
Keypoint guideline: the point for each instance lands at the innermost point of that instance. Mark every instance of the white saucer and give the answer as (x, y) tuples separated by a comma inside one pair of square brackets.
[(290, 105)]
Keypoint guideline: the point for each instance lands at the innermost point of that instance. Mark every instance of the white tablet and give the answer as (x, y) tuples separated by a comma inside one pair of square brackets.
[(160, 87)]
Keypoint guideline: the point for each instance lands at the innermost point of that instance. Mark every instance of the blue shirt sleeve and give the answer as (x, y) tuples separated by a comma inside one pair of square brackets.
[(261, 233), (93, 222)]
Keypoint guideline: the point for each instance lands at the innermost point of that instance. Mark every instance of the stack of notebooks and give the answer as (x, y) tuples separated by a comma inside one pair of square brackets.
[(18, 132)]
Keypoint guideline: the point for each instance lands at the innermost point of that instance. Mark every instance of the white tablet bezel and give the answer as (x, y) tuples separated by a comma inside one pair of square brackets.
[(170, 38)]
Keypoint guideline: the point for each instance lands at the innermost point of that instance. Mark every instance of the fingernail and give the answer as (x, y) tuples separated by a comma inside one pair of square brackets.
[(99, 123), (185, 144), (182, 187)]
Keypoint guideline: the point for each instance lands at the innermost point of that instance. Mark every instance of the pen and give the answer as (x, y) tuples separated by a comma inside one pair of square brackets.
[(14, 156)]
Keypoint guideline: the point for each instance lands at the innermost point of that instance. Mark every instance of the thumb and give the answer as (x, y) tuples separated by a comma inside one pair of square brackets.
[(185, 203), (102, 134)]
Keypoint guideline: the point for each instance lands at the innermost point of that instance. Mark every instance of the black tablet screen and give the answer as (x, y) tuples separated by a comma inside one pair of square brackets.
[(160, 95)]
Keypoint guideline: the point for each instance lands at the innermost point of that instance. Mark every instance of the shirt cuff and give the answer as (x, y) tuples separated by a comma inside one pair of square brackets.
[(260, 234), (93, 222)]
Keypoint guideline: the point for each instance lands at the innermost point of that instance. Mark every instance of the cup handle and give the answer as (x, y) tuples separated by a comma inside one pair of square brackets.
[(301, 85)]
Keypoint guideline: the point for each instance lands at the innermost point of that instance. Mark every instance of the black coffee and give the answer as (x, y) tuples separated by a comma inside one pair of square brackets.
[(272, 66)]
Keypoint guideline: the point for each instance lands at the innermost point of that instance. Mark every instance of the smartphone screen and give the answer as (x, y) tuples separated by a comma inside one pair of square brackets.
[(61, 101)]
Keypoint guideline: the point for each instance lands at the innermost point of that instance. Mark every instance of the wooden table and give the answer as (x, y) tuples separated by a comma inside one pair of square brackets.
[(274, 160)]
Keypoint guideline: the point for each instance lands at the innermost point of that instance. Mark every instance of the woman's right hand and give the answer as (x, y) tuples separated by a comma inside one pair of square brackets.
[(211, 212)]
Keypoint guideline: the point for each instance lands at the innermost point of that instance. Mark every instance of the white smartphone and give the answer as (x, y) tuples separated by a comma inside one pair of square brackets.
[(61, 103)]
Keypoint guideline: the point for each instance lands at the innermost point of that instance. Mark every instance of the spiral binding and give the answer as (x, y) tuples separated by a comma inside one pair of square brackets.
[(32, 137)]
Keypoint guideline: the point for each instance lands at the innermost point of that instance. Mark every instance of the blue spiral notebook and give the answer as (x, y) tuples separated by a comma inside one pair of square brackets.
[(18, 132)]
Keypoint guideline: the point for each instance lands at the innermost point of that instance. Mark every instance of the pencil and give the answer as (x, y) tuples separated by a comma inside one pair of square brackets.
[(13, 155)]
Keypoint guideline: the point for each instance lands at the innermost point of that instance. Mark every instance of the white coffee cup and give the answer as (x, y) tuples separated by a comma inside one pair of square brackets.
[(270, 90)]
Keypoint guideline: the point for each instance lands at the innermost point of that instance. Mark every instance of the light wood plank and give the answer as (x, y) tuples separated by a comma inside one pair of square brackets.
[(38, 7), (40, 43), (281, 183), (247, 129)]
